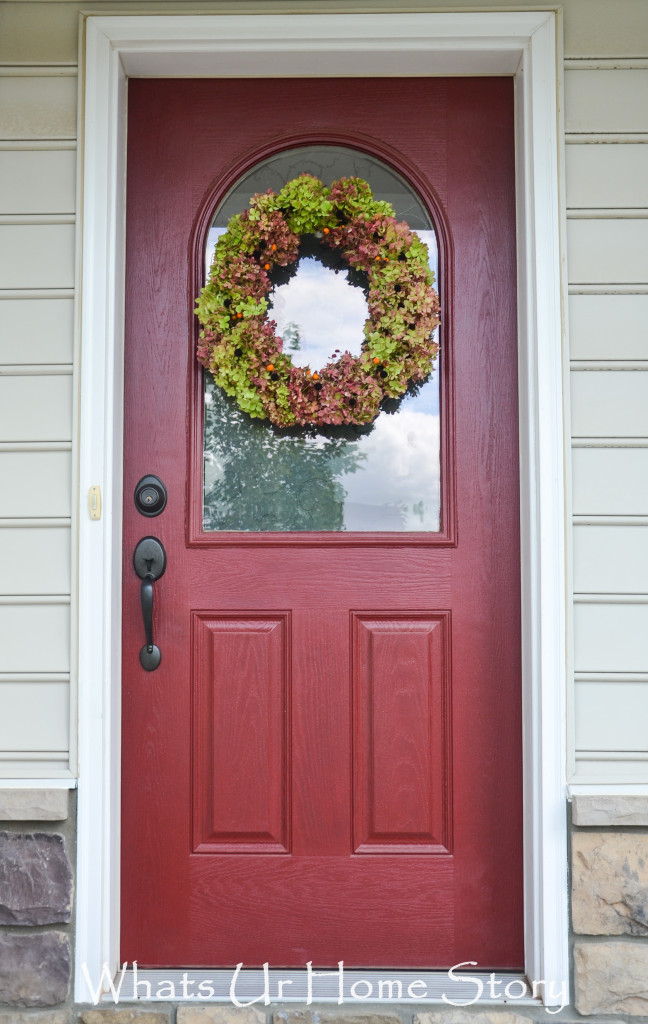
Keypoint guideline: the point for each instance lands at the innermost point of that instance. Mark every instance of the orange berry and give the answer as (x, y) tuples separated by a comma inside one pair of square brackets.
[(274, 246), (376, 360), (377, 257), (267, 266), (270, 367), (327, 231), (239, 315), (316, 376)]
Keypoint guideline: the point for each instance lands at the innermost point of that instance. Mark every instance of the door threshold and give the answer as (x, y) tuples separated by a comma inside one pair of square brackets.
[(341, 986)]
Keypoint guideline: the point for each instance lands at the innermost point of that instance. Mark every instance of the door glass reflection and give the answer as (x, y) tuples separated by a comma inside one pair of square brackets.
[(382, 477)]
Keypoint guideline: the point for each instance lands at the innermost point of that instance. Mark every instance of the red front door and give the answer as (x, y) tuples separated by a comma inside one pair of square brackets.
[(326, 765)]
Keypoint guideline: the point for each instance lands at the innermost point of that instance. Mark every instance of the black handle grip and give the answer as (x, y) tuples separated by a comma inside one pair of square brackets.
[(147, 611), (149, 561)]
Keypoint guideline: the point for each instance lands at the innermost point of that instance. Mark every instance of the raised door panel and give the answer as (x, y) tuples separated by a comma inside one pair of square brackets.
[(401, 724), (241, 757)]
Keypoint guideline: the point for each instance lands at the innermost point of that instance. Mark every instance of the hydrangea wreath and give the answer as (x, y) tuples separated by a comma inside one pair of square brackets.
[(345, 228)]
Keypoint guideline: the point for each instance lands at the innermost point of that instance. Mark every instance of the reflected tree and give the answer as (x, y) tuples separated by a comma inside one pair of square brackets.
[(261, 478)]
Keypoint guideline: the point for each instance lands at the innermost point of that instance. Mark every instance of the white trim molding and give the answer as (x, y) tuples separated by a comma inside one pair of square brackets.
[(520, 44)]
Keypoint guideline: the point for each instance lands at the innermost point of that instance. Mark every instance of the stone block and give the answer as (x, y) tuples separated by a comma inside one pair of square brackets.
[(334, 1017), (119, 1015), (611, 977), (610, 883), (220, 1015), (35, 879), (450, 1015), (51, 1017), (33, 804), (34, 969), (610, 810)]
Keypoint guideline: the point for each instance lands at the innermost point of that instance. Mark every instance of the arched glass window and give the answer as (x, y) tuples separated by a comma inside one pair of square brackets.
[(383, 478)]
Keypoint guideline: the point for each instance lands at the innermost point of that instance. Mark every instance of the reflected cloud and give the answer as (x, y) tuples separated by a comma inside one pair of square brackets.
[(328, 312)]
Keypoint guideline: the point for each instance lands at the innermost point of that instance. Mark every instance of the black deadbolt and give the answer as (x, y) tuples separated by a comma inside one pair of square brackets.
[(150, 496)]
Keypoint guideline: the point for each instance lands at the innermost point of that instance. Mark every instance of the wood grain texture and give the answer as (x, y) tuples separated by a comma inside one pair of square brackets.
[(401, 733), (323, 901), (241, 759)]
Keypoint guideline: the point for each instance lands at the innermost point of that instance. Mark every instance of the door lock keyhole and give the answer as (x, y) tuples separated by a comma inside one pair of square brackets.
[(150, 496)]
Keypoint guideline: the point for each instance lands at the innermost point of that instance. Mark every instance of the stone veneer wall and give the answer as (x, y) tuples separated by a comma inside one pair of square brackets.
[(609, 915), (609, 881), (37, 851)]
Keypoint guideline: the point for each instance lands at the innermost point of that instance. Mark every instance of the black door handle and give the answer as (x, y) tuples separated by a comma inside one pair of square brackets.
[(149, 561)]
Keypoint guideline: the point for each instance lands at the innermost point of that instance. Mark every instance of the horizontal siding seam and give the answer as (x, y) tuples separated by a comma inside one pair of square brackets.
[(611, 677), (609, 288), (34, 677), (593, 63), (584, 519), (607, 598), (29, 145), (33, 599), (26, 138), (65, 70), (602, 365), (35, 369), (36, 293), (42, 218), (603, 213), (611, 755), (35, 755), (36, 446), (54, 522), (573, 138), (609, 442)]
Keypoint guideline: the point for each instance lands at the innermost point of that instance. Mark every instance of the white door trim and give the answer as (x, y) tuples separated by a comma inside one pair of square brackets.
[(524, 44)]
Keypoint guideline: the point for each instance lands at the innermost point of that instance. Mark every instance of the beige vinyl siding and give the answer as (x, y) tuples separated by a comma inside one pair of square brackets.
[(38, 171), (607, 251), (39, 107), (608, 326), (44, 547), (606, 114), (606, 123), (36, 331), (37, 255), (611, 559), (610, 403), (34, 635), (36, 408), (606, 100), (33, 181), (604, 175)]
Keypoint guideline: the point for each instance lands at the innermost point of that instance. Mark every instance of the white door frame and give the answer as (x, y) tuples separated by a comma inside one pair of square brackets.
[(523, 44)]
